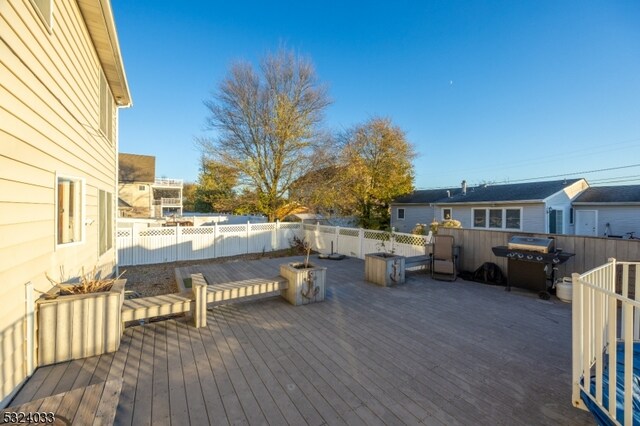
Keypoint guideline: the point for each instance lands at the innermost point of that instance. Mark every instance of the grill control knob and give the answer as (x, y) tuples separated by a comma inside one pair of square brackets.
[(520, 255), (539, 258), (529, 257), (556, 260)]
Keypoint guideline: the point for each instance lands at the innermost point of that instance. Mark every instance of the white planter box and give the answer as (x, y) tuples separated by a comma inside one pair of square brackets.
[(384, 269), (79, 326), (306, 285)]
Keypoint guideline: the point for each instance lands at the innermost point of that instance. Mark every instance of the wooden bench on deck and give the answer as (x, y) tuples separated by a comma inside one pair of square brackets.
[(413, 261), (230, 291), (154, 306)]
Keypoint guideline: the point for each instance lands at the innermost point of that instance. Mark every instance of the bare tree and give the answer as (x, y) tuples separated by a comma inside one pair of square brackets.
[(268, 125)]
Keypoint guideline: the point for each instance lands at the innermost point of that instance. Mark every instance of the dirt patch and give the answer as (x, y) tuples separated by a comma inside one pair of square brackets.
[(159, 278)]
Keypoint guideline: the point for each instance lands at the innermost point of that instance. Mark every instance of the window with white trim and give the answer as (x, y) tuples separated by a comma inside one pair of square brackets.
[(106, 108), (70, 210), (497, 218), (105, 221), (447, 213), (400, 214)]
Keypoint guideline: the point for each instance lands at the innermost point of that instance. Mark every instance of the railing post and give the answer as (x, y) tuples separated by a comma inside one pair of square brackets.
[(577, 356), (277, 235)]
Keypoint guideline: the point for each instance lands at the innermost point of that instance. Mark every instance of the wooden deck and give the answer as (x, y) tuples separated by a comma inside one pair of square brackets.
[(426, 352)]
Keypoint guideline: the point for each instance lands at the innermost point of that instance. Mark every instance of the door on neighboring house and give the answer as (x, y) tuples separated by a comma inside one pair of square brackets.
[(556, 221), (585, 221)]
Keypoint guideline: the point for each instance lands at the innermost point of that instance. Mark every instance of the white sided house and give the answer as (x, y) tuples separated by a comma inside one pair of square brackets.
[(612, 211), (419, 207), (62, 81), (543, 207)]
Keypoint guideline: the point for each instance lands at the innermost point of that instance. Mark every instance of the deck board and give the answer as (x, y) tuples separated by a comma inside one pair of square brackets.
[(426, 352)]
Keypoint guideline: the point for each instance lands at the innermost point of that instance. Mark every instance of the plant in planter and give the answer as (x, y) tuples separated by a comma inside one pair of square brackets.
[(384, 268), (78, 320), (306, 281)]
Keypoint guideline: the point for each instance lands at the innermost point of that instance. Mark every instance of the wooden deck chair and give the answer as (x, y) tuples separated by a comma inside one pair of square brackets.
[(443, 259)]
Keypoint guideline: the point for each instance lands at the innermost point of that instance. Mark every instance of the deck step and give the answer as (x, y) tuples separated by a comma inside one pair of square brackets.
[(153, 306), (245, 288)]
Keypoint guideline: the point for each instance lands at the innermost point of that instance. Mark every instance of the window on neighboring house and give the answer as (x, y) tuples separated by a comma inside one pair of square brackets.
[(571, 216), (446, 214), (400, 214), (106, 108), (45, 10), (105, 219), (479, 218), (497, 218), (142, 188), (512, 218), (69, 207)]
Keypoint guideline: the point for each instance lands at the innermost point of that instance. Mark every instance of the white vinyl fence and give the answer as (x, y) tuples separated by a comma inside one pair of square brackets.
[(141, 246)]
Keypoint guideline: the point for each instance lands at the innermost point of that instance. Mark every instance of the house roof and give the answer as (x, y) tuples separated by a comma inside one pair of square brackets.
[(625, 194), (98, 18), (514, 192), (426, 196), (136, 168)]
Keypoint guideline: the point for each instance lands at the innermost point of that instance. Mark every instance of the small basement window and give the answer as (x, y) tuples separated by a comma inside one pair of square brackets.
[(400, 214), (70, 210)]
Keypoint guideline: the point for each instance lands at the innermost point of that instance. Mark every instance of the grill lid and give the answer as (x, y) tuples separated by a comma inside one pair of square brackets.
[(540, 245)]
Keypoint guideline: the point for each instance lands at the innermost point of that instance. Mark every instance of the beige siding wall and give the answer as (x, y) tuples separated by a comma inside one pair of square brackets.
[(49, 115)]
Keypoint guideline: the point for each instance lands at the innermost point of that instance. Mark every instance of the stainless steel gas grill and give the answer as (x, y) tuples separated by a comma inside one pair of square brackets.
[(531, 262)]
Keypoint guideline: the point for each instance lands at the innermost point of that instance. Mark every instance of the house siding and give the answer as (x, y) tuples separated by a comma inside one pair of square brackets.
[(49, 110), (622, 219), (562, 201), (413, 214)]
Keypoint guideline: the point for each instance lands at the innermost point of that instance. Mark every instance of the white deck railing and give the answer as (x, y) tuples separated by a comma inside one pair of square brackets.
[(146, 245), (606, 312)]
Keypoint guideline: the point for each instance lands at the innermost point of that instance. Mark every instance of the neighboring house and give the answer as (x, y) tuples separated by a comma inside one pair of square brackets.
[(62, 81), (608, 211), (543, 207), (419, 207), (140, 194)]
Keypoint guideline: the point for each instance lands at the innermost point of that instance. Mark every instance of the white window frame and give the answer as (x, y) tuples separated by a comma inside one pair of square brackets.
[(450, 212), (83, 210), (488, 221), (398, 213)]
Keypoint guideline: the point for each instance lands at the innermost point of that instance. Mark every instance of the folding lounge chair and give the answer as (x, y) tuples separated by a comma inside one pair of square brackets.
[(443, 260)]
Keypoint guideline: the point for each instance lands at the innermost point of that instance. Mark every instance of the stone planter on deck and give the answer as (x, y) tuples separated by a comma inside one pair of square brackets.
[(384, 269), (306, 285), (80, 325)]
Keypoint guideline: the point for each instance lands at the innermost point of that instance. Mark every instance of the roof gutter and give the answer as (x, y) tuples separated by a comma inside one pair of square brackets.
[(605, 203)]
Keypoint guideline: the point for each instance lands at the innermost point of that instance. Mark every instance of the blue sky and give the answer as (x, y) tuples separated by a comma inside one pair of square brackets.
[(487, 91)]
